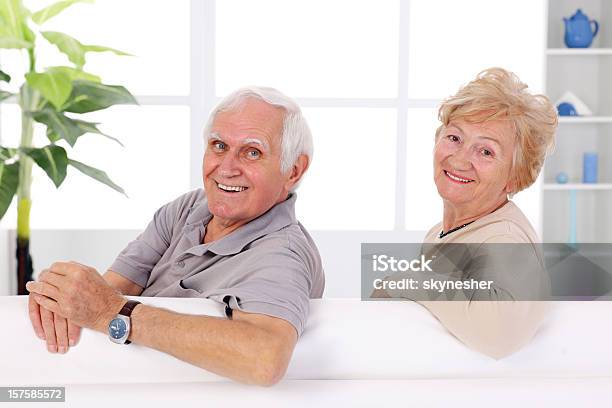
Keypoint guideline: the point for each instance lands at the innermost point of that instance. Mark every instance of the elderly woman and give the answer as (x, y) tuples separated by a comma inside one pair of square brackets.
[(490, 145)]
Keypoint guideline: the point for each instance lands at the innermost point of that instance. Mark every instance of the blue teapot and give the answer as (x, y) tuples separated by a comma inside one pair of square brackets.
[(579, 30)]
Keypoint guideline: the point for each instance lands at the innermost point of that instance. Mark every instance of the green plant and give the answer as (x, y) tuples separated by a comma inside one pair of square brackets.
[(53, 97)]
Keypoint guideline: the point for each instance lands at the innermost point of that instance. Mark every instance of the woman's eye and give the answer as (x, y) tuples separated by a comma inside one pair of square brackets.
[(453, 138), (487, 152)]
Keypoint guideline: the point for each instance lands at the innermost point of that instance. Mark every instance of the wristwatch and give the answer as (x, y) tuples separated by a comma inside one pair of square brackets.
[(119, 327)]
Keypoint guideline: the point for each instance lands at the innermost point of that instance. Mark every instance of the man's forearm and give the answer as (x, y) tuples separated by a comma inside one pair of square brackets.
[(122, 284), (237, 349)]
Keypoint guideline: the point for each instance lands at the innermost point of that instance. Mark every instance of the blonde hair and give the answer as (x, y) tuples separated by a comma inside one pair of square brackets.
[(497, 94)]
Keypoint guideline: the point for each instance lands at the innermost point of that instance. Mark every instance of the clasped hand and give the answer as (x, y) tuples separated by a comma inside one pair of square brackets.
[(66, 297)]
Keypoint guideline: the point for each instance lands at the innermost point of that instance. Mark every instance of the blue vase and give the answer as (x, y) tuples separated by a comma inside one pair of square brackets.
[(579, 30), (562, 178), (566, 109), (589, 168)]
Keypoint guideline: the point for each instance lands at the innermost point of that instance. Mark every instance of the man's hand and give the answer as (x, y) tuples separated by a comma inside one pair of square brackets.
[(78, 293), (59, 333)]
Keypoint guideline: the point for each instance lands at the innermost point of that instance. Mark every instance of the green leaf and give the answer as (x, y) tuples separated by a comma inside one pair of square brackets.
[(90, 127), (58, 124), (99, 48), (75, 74), (54, 86), (52, 159), (4, 95), (6, 153), (70, 132), (28, 35), (96, 174), (51, 11), (9, 180), (74, 49), (67, 45), (14, 31), (89, 97), (13, 42), (4, 76)]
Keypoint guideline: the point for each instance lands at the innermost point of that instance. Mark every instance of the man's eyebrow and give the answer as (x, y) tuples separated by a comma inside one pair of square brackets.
[(215, 136), (253, 140), (247, 141)]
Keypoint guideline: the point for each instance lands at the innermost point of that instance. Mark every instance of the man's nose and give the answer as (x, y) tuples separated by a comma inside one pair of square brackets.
[(229, 166)]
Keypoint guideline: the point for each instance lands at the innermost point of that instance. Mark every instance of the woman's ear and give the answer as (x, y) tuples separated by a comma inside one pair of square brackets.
[(297, 171), (510, 186)]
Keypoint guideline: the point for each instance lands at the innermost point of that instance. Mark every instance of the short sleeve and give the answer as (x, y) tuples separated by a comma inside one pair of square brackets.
[(136, 261), (277, 283)]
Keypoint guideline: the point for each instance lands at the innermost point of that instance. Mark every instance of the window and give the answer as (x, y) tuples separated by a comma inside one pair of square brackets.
[(315, 48), (351, 183), (369, 75), (153, 168)]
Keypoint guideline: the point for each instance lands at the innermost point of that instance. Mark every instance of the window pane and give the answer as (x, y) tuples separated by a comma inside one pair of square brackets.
[(314, 48), (423, 204), (153, 169), (451, 41), (155, 31), (351, 183), (13, 62)]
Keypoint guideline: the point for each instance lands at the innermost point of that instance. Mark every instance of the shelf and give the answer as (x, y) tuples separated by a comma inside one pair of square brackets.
[(578, 51), (578, 186), (585, 119)]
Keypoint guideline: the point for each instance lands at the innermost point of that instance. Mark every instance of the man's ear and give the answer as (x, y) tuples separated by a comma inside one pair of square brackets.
[(297, 171)]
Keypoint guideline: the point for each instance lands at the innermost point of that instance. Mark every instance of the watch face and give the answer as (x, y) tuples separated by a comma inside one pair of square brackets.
[(117, 328)]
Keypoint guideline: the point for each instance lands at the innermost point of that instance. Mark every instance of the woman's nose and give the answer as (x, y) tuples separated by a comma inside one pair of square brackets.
[(460, 159)]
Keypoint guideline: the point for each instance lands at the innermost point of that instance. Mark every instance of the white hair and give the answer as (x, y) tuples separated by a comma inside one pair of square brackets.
[(296, 138)]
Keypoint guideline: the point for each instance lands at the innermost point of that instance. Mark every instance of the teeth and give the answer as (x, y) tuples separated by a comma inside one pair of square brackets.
[(231, 188), (457, 178)]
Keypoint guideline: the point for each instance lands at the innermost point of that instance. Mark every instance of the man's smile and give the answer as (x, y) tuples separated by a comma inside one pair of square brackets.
[(230, 189)]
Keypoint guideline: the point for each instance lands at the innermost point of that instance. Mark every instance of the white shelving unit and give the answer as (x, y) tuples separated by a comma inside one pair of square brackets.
[(578, 51), (585, 120), (588, 74), (578, 186)]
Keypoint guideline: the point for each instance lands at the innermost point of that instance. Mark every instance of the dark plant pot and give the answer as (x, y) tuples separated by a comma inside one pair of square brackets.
[(24, 266)]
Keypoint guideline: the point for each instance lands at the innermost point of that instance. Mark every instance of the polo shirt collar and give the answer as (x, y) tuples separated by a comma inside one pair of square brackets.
[(275, 219)]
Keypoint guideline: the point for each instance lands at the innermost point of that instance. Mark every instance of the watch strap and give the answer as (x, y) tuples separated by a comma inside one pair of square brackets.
[(127, 310)]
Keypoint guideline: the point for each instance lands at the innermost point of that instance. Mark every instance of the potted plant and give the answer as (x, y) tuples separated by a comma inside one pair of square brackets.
[(54, 97)]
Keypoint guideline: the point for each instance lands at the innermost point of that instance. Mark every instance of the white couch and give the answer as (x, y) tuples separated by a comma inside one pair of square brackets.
[(352, 353)]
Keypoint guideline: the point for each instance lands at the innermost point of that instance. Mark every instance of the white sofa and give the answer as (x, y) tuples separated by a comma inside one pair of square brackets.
[(352, 353)]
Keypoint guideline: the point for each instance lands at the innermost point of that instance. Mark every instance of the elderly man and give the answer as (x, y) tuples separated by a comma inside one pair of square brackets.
[(237, 241)]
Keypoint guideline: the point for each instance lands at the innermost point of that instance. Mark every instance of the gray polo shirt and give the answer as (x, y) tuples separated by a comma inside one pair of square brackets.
[(269, 266)]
